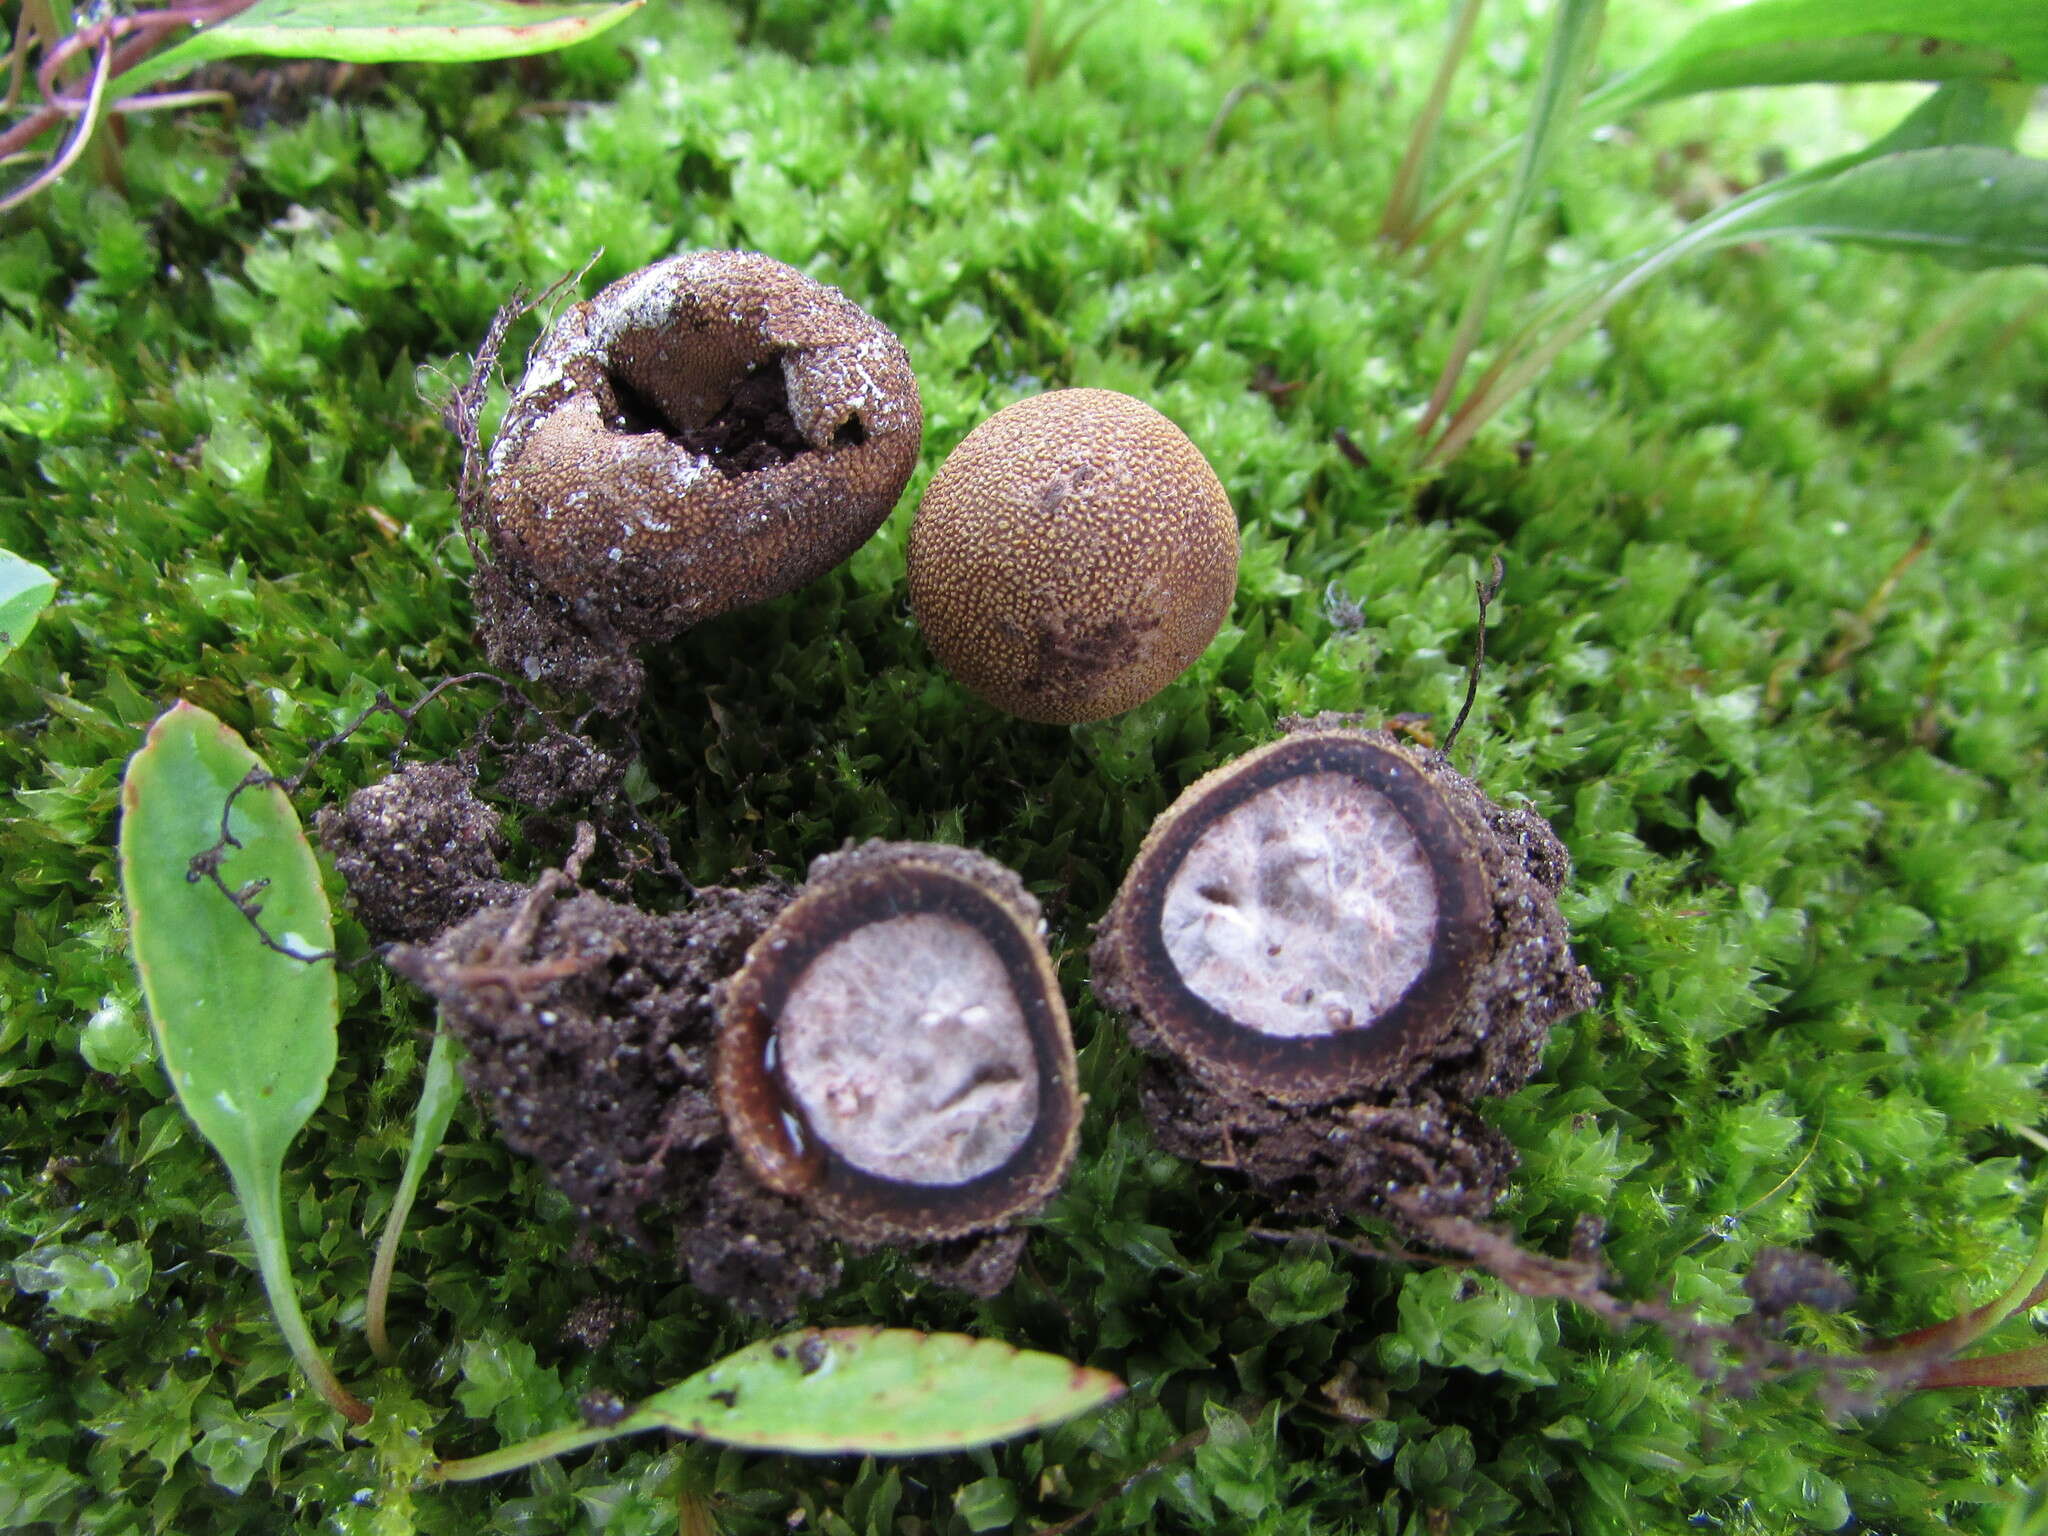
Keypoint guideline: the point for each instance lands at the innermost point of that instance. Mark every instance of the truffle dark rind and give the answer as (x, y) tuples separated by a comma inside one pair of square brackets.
[(956, 891), (713, 431), (1072, 556), (1382, 1110)]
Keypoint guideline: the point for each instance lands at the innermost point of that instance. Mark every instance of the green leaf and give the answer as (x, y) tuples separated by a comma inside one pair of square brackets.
[(879, 1391), (1793, 42), (1972, 206), (25, 591), (860, 1391), (1936, 183), (247, 1035), (1574, 35), (440, 1092), (383, 32)]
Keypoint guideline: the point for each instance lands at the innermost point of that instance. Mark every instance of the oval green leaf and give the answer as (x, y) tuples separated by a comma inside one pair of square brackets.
[(25, 591), (247, 1035), (383, 32), (877, 1392), (846, 1391)]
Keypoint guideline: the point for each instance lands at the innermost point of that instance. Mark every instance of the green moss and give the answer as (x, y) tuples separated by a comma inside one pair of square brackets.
[(1810, 831)]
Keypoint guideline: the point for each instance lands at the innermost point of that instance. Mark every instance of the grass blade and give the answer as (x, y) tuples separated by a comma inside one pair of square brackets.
[(1971, 205), (247, 1035), (1574, 35), (1806, 42), (383, 32), (1398, 221), (862, 1391), (440, 1092), (25, 591), (1974, 202)]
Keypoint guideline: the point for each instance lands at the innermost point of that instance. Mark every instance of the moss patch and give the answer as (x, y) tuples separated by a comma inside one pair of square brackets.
[(1807, 808)]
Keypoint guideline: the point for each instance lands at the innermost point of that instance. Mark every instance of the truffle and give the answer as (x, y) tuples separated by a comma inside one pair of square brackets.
[(1333, 945), (1072, 556), (713, 431), (894, 1053)]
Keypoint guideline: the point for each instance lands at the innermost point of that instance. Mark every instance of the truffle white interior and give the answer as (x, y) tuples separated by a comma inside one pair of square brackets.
[(906, 1048), (1306, 910)]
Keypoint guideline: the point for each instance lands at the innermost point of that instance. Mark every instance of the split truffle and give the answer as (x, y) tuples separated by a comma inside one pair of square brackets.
[(895, 1051), (1332, 946), (713, 431)]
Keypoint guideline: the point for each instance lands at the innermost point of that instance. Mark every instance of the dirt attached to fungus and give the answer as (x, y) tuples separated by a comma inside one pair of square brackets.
[(589, 1026), (588, 1029), (419, 851)]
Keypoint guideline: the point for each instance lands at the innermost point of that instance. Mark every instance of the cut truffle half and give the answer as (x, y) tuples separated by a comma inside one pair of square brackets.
[(895, 1052), (710, 432), (1332, 946), (1306, 920)]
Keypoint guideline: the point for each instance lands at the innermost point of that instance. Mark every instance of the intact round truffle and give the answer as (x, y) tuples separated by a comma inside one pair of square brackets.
[(1332, 946), (895, 1053), (711, 432), (1072, 556)]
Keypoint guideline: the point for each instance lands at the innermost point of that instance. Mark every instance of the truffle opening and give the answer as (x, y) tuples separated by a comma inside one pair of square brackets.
[(1308, 909), (905, 1048), (752, 430)]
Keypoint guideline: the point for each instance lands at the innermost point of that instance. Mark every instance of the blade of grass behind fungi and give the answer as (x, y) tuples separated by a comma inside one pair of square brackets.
[(845, 1391), (1807, 42), (25, 591), (1397, 221), (1575, 33), (1941, 182), (440, 1092), (247, 1035), (383, 32)]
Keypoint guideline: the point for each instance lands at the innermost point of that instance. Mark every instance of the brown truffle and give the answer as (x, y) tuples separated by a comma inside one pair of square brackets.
[(895, 1054), (1333, 945), (711, 432), (1072, 556)]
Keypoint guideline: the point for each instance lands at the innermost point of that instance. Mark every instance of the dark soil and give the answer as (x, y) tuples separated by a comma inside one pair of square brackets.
[(1346, 1156), (419, 851), (589, 1031), (756, 1249), (531, 633)]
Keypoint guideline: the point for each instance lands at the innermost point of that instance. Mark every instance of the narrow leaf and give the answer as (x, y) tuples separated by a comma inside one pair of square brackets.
[(25, 591), (383, 32), (1970, 206), (1941, 205), (861, 1391), (246, 1035), (1801, 42), (1574, 35), (1793, 42), (440, 1092), (877, 1391)]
